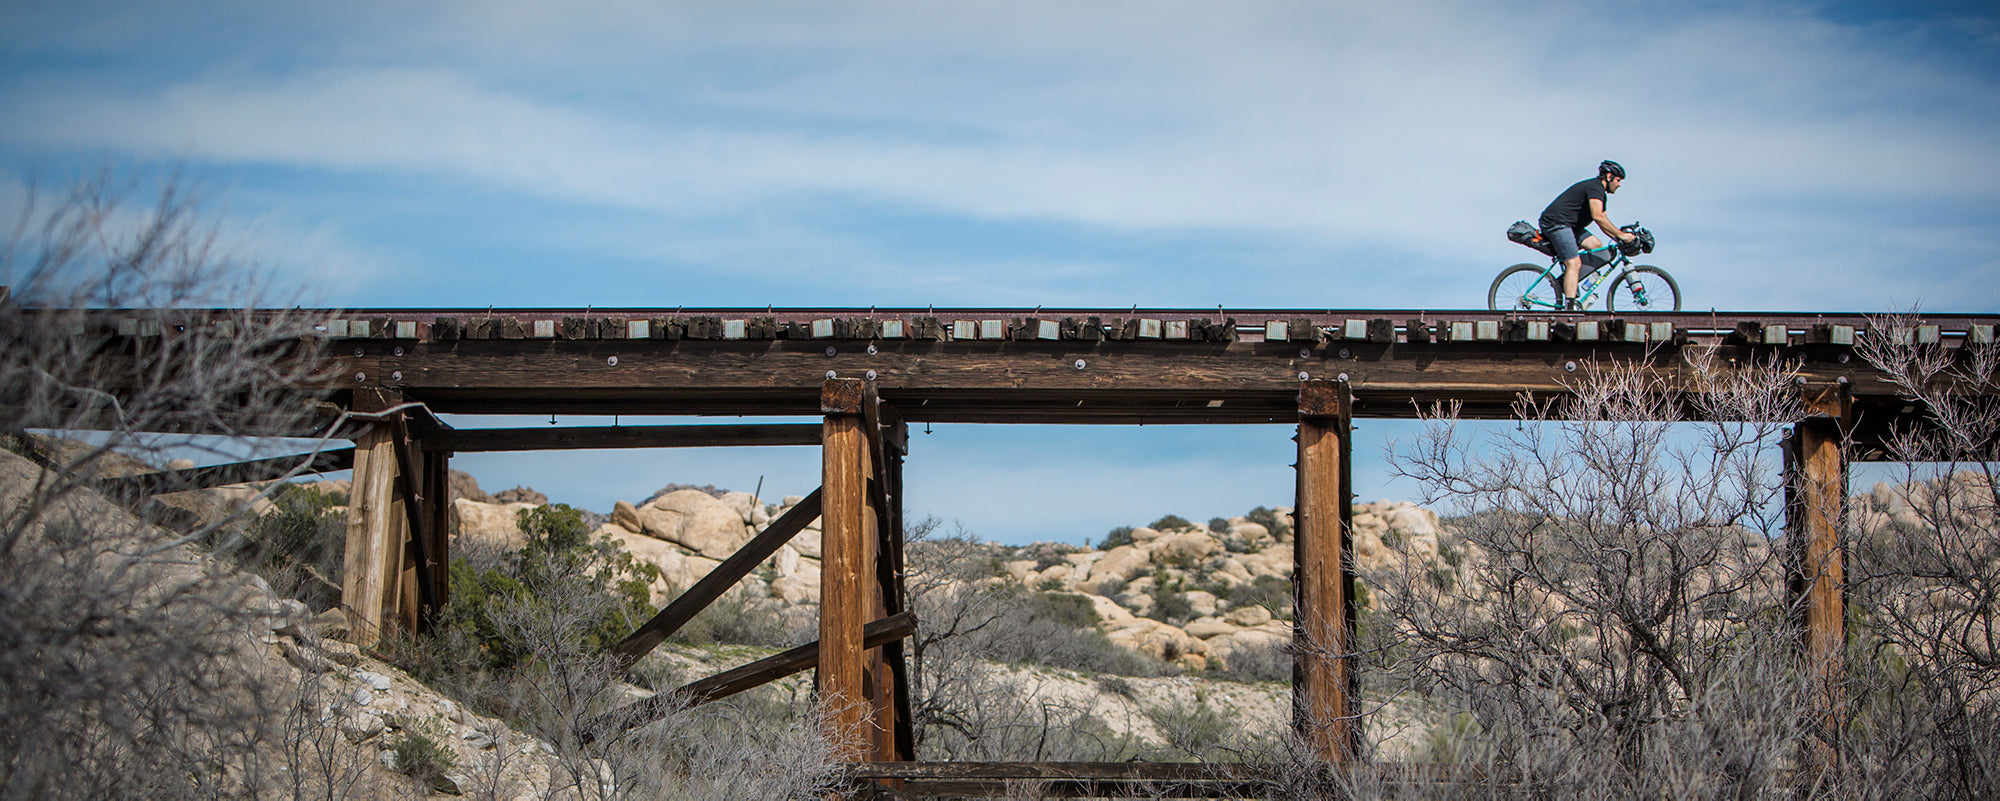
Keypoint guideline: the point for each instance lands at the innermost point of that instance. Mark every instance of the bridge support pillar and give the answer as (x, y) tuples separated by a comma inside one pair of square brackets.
[(1323, 680), (394, 570), (854, 683), (371, 583), (1816, 500)]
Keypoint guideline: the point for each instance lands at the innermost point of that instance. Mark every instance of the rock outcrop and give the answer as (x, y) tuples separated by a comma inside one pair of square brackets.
[(1190, 596)]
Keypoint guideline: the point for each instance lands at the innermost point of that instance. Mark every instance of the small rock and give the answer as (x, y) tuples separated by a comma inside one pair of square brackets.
[(290, 611), (331, 624), (344, 653), (627, 517), (377, 681), (1250, 616), (362, 696), (305, 658), (358, 728)]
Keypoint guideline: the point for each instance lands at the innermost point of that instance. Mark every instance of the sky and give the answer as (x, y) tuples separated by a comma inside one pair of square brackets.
[(1793, 156)]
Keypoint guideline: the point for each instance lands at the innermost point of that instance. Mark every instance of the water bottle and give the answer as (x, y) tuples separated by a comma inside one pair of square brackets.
[(1589, 283)]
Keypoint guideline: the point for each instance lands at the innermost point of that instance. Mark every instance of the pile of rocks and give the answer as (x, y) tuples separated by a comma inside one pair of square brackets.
[(687, 532)]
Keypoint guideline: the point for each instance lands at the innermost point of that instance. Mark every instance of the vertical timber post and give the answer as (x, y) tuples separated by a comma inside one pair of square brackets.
[(437, 509), (889, 442), (1323, 677), (371, 580), (847, 572), (1816, 498)]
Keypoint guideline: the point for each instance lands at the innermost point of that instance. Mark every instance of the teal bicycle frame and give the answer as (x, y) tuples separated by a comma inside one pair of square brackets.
[(1588, 281)]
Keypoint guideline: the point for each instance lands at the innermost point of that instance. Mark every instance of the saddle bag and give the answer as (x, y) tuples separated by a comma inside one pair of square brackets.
[(1525, 233)]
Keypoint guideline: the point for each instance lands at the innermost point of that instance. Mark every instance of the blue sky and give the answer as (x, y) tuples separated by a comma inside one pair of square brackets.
[(1790, 156)]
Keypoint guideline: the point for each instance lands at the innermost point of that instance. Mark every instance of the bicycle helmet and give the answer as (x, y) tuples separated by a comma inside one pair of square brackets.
[(1611, 168)]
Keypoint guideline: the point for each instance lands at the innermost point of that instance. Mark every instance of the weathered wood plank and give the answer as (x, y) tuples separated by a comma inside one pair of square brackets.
[(487, 440), (738, 679), (1324, 679), (844, 552), (270, 469), (1816, 495), (373, 552)]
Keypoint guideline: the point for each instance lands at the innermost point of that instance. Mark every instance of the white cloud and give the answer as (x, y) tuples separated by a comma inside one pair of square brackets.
[(1416, 129)]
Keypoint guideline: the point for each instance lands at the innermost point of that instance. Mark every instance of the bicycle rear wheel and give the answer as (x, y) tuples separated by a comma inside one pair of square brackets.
[(1521, 288), (1643, 288)]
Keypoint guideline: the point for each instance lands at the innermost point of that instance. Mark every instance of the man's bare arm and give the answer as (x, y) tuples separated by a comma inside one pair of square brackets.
[(1604, 221)]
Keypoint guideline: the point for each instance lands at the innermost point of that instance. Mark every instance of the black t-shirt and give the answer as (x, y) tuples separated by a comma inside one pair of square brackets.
[(1571, 209)]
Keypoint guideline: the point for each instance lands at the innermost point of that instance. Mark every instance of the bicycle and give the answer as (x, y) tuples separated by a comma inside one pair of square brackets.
[(1643, 287)]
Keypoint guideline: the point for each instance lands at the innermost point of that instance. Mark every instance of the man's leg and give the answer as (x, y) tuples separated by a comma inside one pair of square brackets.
[(1563, 242)]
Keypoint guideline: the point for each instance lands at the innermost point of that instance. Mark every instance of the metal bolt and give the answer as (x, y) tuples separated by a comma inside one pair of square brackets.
[(359, 352), (1569, 367), (830, 351), (1844, 381), (1303, 376), (360, 377), (399, 350), (396, 376), (1345, 353), (1080, 364), (871, 348), (1305, 353), (613, 361), (871, 375), (1799, 380), (1342, 378), (829, 374), (1843, 358)]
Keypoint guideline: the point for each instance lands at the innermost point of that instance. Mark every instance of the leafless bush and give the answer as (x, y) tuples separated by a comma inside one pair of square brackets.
[(1622, 612), (1926, 576), (123, 667), (966, 621)]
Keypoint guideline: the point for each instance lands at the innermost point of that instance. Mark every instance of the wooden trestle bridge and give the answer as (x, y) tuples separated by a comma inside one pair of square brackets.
[(867, 373)]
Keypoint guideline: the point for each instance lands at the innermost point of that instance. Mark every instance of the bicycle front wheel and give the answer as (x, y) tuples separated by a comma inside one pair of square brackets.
[(1521, 288), (1643, 288)]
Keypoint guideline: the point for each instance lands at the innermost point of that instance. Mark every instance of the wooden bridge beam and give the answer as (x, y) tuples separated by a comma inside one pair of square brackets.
[(1816, 507), (371, 583), (1323, 679), (853, 680)]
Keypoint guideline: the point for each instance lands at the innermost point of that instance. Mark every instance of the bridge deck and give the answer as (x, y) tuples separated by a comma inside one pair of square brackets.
[(1065, 366)]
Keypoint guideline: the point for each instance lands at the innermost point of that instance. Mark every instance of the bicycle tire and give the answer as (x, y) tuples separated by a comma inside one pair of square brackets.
[(1652, 283), (1521, 287)]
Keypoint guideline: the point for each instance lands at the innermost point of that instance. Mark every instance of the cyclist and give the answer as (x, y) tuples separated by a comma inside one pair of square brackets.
[(1566, 223)]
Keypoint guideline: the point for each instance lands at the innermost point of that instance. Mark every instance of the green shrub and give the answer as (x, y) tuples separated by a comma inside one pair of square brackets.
[(300, 545), (735, 619), (419, 750), (1170, 523), (1218, 525), (1067, 608), (1271, 592), (1279, 526), (1196, 730), (1121, 535), (1171, 607), (586, 595)]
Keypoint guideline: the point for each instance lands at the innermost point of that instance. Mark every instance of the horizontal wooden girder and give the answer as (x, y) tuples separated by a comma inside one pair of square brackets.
[(1044, 382), (478, 440)]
